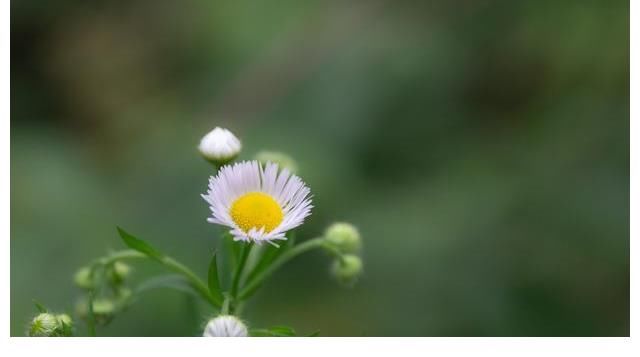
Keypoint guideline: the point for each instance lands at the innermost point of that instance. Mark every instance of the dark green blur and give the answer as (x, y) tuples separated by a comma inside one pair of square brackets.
[(482, 148)]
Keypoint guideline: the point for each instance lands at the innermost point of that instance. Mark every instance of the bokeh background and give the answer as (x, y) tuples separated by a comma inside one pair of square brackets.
[(482, 147)]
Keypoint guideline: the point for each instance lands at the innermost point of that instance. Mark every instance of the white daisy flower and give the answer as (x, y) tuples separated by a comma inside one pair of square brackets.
[(225, 326), (259, 204), (220, 146)]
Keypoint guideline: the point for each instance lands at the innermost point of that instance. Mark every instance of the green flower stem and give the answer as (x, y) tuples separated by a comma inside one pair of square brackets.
[(239, 268), (225, 305), (285, 257), (91, 319), (170, 263), (200, 286)]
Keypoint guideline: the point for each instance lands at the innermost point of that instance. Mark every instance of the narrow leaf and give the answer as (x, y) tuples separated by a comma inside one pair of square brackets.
[(282, 331), (41, 308), (214, 280), (139, 245), (260, 332)]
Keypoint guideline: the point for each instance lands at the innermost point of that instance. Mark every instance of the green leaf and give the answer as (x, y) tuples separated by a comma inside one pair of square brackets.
[(315, 333), (41, 308), (260, 332), (214, 280), (139, 245), (274, 331), (282, 331)]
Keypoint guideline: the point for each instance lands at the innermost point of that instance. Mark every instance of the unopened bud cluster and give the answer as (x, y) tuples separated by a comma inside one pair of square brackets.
[(345, 239), (104, 307), (50, 325)]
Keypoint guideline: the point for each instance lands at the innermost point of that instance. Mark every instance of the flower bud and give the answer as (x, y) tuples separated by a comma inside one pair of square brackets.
[(83, 278), (225, 326), (219, 146), (118, 271), (103, 309), (344, 236), (347, 269), (43, 325), (65, 325), (284, 161)]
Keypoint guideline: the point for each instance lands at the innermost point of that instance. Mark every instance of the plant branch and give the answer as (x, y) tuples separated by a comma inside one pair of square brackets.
[(239, 268), (301, 248)]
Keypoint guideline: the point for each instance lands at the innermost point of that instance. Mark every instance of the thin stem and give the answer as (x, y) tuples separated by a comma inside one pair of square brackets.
[(91, 319), (301, 248), (239, 268), (170, 263), (225, 305), (201, 287)]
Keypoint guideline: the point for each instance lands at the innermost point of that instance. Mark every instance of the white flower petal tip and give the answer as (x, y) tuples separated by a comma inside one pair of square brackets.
[(220, 146), (225, 326), (258, 203)]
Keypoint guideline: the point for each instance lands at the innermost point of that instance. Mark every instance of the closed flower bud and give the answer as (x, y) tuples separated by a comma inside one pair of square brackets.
[(65, 325), (220, 146), (347, 269), (103, 309), (344, 236), (43, 325), (83, 278), (118, 272), (225, 326), (284, 161)]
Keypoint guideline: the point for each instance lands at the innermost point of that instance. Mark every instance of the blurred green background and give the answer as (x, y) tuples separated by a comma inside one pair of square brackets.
[(482, 147)]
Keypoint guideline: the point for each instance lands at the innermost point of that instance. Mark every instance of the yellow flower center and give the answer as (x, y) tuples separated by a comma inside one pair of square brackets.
[(256, 210)]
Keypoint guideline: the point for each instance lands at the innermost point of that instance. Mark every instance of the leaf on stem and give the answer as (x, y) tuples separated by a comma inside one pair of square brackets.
[(139, 245), (41, 308), (274, 331), (214, 280)]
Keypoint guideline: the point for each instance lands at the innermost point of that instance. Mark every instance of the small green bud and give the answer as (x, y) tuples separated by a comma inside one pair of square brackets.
[(344, 236), (64, 319), (103, 307), (103, 310), (65, 325), (83, 278), (43, 325), (283, 160), (347, 269), (118, 272)]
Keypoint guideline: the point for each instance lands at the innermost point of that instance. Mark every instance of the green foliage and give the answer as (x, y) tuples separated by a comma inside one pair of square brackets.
[(213, 279), (274, 331), (139, 245), (41, 308)]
